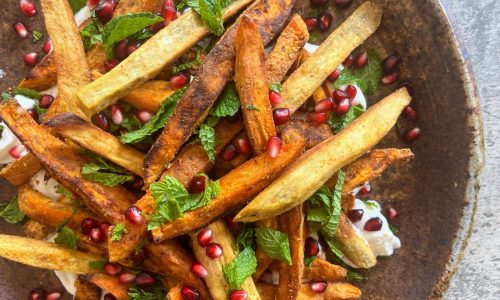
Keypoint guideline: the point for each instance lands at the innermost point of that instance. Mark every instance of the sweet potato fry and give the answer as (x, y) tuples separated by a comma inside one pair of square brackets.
[(334, 291), (216, 282), (292, 223), (86, 290), (353, 244), (145, 63), (21, 170), (237, 187), (321, 269), (216, 70), (35, 230), (110, 284), (340, 43), (45, 255), (314, 134), (175, 293), (64, 164), (133, 6), (287, 49), (98, 141), (42, 76), (150, 95), (326, 159), (251, 83), (72, 68)]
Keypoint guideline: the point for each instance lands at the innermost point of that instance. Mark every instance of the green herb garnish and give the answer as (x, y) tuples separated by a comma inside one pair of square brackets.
[(242, 267), (10, 212), (66, 237), (118, 231)]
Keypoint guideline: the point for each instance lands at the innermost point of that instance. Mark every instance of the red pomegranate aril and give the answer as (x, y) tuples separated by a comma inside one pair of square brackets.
[(213, 250), (112, 268), (324, 105), (132, 47), (169, 15), (110, 64), (145, 279), (389, 78), (273, 146), (87, 225), (281, 116), (374, 224), (37, 294), (32, 112), (143, 115), (243, 146), (116, 114), (361, 59), (355, 215), (352, 91), (126, 277), (204, 237), (318, 286), (97, 236), (197, 185), (47, 47), (238, 295), (365, 189), (412, 134), (275, 98), (348, 61), (28, 7), (109, 296), (138, 257), (120, 49), (199, 270), (390, 62), (392, 214), (318, 3), (30, 59), (342, 3), (104, 226), (21, 30), (312, 246), (16, 151), (317, 117), (229, 152), (104, 11), (334, 76), (341, 107), (54, 295), (156, 27), (325, 21), (311, 23), (179, 80), (189, 293), (100, 120), (45, 101), (134, 215), (338, 95), (91, 4), (410, 113)]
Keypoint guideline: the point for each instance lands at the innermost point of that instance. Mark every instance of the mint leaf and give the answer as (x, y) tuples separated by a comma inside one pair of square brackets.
[(345, 78), (354, 276), (96, 265), (36, 36), (333, 244), (228, 103), (118, 231), (242, 266), (274, 243), (10, 212), (246, 237), (135, 293), (6, 96), (76, 5), (123, 26), (91, 35), (338, 123), (170, 187), (275, 87), (66, 237), (166, 211), (106, 173), (32, 94), (157, 121), (207, 139), (210, 12), (368, 77), (65, 192)]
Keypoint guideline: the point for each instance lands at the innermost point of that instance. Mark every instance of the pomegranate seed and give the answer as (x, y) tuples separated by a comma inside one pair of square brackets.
[(204, 237), (365, 190), (273, 146), (410, 113), (325, 21), (169, 15), (126, 277), (352, 91), (133, 214), (37, 294), (408, 87), (21, 30), (112, 269), (348, 61), (143, 115), (116, 114), (343, 3), (412, 134), (110, 64), (156, 27), (334, 76), (389, 78), (189, 293), (281, 116), (374, 224), (238, 295), (54, 295), (275, 98), (32, 112), (145, 279), (229, 153), (28, 7), (324, 105), (17, 151), (243, 146), (92, 3), (104, 11), (361, 59), (45, 101), (30, 59), (197, 185), (317, 117), (100, 120), (138, 257), (168, 4), (87, 225), (105, 228), (311, 247), (318, 286), (341, 107), (179, 80), (390, 63), (339, 95), (109, 296), (392, 214), (355, 215), (120, 49), (47, 47), (97, 236), (199, 270), (318, 3), (132, 47), (213, 250), (311, 23)]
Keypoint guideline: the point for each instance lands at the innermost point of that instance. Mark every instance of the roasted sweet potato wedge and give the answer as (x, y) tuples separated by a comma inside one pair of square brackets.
[(322, 269), (314, 134), (21, 170), (36, 230), (150, 95), (334, 291), (110, 284), (86, 290), (42, 76)]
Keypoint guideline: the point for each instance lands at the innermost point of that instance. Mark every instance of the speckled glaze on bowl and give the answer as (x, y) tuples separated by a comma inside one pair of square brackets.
[(435, 194)]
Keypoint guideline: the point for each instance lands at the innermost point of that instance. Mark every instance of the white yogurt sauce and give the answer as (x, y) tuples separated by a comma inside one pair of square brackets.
[(45, 185)]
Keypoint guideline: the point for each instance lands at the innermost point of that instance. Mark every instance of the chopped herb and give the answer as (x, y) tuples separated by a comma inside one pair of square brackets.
[(32, 94), (40, 111), (242, 267), (6, 96), (106, 173), (228, 103), (207, 138), (96, 265), (274, 243), (275, 87), (10, 212), (246, 237), (354, 276), (393, 229), (118, 231), (368, 77), (135, 293), (76, 5), (36, 36), (65, 192), (210, 12), (338, 123), (66, 237), (345, 78), (91, 35), (251, 107), (308, 260)]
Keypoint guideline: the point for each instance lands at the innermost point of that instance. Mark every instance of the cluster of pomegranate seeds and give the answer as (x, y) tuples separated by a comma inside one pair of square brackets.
[(238, 295), (134, 215), (318, 286), (281, 116), (374, 224), (392, 214), (197, 184), (143, 115), (213, 250), (275, 98), (30, 59), (229, 152), (96, 232), (87, 225), (273, 146), (189, 293), (109, 296), (204, 237), (179, 80), (390, 75), (104, 11), (28, 7), (116, 114), (45, 101), (112, 268), (311, 247), (199, 270), (21, 30), (17, 151), (243, 146), (169, 12), (355, 215), (47, 47), (41, 294), (325, 21)]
